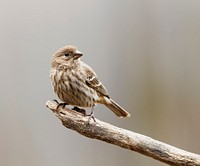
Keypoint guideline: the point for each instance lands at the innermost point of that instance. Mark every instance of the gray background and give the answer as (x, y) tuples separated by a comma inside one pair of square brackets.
[(147, 54)]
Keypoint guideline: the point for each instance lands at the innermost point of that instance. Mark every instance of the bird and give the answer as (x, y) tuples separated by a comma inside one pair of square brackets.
[(77, 84)]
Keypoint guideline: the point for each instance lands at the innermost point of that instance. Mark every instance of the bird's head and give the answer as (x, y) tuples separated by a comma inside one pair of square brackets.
[(65, 55)]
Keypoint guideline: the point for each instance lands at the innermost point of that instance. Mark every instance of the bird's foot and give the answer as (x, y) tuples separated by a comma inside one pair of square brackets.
[(82, 111), (56, 101), (91, 116), (60, 104)]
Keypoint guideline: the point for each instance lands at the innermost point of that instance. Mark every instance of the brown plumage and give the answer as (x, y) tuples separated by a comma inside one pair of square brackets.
[(75, 83)]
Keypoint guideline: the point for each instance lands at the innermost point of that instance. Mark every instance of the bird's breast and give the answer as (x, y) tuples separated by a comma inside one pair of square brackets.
[(70, 87)]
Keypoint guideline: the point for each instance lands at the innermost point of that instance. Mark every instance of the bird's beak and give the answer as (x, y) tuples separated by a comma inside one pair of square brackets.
[(78, 54)]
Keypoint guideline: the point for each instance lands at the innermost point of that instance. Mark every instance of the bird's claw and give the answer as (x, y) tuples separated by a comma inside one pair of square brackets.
[(56, 101), (60, 104), (91, 116)]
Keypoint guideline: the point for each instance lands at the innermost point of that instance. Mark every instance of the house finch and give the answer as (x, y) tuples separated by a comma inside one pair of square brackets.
[(76, 84)]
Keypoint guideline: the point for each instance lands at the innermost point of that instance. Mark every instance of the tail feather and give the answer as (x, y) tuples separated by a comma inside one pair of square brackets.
[(118, 110)]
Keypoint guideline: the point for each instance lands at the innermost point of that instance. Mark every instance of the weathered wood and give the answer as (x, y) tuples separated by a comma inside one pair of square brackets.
[(124, 138)]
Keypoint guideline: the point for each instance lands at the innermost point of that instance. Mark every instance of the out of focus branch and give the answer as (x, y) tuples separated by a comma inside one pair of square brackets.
[(123, 138)]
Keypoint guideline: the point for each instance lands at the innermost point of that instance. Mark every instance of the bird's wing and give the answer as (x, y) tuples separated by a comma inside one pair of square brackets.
[(93, 82)]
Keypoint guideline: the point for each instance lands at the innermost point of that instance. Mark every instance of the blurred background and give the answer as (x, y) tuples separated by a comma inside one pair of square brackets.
[(147, 54)]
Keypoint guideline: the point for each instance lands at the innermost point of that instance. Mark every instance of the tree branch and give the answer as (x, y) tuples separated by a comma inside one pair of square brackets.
[(123, 138)]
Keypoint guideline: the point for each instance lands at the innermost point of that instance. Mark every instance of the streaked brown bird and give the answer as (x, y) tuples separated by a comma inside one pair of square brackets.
[(76, 83)]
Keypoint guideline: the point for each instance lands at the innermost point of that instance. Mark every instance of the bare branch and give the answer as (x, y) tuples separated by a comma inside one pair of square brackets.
[(124, 138)]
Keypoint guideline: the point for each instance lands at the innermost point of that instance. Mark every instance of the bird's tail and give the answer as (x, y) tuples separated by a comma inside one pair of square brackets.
[(118, 110)]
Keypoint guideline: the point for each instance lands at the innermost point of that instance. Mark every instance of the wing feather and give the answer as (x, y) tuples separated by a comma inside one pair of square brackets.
[(93, 82)]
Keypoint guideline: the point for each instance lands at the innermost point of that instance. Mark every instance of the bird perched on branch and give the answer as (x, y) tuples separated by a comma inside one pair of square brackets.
[(76, 83)]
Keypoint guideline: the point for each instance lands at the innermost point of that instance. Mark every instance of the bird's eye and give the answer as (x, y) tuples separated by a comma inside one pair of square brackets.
[(66, 54)]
